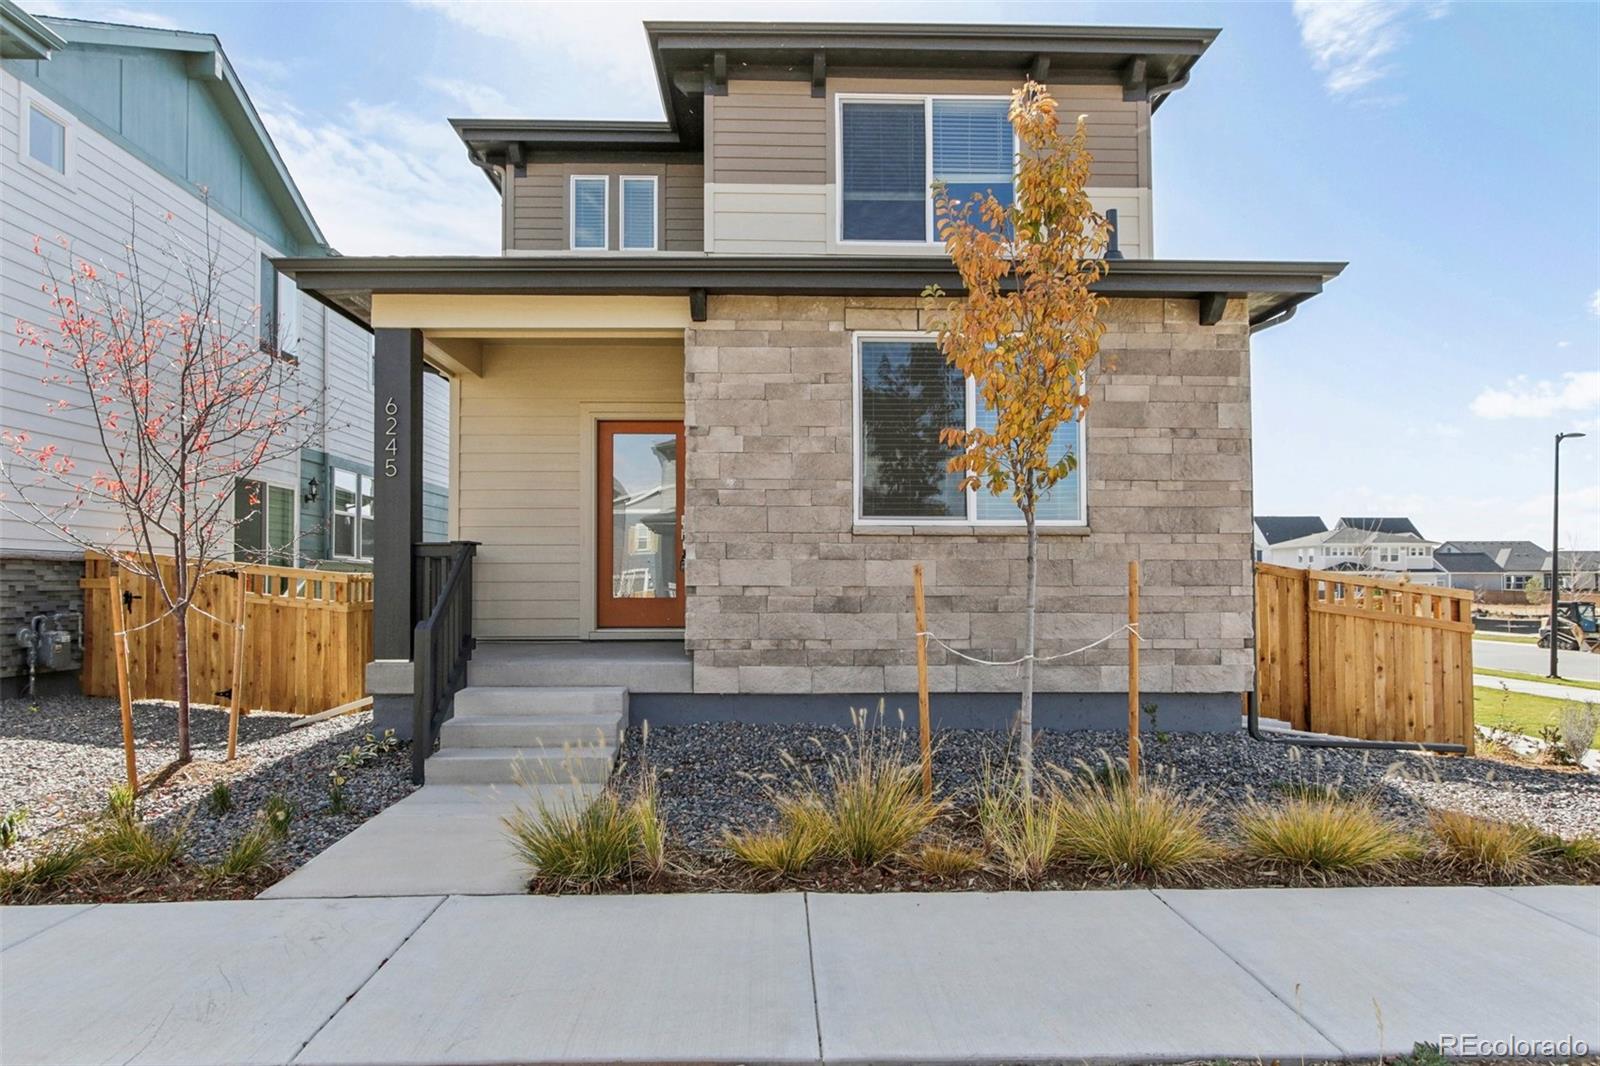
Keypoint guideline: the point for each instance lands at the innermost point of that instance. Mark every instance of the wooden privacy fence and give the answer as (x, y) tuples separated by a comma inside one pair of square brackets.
[(308, 637), (1364, 657)]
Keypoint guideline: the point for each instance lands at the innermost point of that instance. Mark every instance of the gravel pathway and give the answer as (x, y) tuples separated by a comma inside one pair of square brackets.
[(716, 776), (62, 754)]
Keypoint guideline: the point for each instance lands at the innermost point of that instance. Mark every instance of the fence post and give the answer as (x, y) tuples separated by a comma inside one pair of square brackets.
[(1133, 674), (237, 688), (1309, 590), (922, 680), (119, 648)]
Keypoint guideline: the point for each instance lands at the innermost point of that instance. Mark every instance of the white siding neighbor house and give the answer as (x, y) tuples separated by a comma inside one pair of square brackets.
[(1372, 546), (102, 124)]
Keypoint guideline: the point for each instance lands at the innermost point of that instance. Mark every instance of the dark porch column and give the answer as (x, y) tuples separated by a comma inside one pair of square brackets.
[(397, 463)]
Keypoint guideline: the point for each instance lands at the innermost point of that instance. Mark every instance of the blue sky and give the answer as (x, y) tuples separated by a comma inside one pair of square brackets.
[(1449, 151)]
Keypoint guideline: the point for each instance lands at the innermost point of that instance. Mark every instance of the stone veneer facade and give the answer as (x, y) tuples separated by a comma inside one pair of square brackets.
[(784, 596)]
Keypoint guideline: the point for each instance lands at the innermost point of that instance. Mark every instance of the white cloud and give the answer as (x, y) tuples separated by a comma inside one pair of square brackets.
[(1524, 398), (382, 181), (128, 16), (1594, 303), (481, 101), (1352, 42)]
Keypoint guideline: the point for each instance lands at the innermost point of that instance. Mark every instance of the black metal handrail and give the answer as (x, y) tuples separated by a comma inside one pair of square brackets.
[(441, 643)]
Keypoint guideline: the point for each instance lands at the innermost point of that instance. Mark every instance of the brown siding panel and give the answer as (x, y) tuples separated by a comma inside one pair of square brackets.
[(766, 132), (538, 202)]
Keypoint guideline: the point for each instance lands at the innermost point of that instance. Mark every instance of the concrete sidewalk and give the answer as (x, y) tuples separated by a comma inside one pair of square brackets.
[(1554, 690), (788, 977)]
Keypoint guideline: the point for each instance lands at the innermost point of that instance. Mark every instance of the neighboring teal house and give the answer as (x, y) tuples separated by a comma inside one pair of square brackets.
[(99, 122)]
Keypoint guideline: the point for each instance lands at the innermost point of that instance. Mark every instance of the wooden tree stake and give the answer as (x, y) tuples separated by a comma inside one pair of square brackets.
[(1133, 674), (237, 688), (922, 680), (119, 652)]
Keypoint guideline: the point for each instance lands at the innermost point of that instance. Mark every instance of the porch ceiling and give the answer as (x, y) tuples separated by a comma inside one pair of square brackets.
[(348, 283)]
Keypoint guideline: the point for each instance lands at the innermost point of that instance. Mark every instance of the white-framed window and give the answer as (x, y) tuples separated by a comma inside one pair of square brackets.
[(47, 141), (644, 541), (278, 324), (266, 523), (353, 527), (590, 197), (906, 392), (892, 149), (638, 225)]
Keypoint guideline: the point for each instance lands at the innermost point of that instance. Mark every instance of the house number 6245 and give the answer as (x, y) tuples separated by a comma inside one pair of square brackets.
[(391, 435)]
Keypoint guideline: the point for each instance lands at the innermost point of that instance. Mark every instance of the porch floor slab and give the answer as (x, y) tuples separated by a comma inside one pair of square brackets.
[(637, 665), (440, 840)]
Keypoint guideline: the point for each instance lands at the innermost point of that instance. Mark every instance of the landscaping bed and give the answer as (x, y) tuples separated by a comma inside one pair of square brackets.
[(63, 758), (732, 803)]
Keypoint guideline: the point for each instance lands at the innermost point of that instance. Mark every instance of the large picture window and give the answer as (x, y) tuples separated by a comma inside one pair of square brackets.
[(905, 394), (893, 150), (352, 515)]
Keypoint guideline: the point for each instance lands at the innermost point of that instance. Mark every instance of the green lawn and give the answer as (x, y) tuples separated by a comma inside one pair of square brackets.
[(1516, 675), (1506, 638), (1518, 711)]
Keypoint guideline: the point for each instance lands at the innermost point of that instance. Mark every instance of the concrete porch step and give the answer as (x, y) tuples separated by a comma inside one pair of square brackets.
[(496, 730), (648, 666), (523, 700), (507, 765)]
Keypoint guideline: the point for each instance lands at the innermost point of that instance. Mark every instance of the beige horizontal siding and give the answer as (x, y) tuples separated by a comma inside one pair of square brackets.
[(520, 436), (538, 202)]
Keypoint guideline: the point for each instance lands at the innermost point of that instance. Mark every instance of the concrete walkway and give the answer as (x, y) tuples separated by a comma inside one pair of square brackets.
[(1551, 689), (1120, 976)]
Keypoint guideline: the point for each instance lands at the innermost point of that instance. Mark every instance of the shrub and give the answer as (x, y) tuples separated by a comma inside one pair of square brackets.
[(1324, 834), (942, 860), (129, 845), (120, 803), (248, 854), (1584, 851), (1496, 848), (581, 846), (11, 824), (1133, 831), (876, 806), (801, 837), (42, 873), (276, 814), (1021, 834), (219, 800), (649, 828), (1577, 726)]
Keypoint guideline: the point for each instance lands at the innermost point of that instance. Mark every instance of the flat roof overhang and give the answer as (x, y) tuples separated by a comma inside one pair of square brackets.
[(347, 283)]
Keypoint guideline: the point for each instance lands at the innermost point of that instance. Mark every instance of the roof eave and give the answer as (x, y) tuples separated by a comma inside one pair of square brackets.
[(25, 36)]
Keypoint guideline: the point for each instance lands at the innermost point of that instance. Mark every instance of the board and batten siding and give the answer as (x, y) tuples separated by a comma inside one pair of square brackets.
[(771, 163), (522, 438), (538, 196)]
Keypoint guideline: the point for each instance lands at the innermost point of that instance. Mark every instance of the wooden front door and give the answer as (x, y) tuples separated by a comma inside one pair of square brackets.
[(639, 524)]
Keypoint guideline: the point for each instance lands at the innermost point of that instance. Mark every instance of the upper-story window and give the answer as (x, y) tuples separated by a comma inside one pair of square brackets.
[(892, 150), (279, 322), (590, 212), (46, 142), (638, 224)]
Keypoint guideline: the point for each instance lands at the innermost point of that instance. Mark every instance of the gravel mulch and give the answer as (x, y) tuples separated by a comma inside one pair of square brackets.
[(62, 754), (715, 777)]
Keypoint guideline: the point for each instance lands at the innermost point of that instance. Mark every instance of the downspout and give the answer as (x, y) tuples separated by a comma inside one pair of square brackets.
[(1277, 319), (1159, 91)]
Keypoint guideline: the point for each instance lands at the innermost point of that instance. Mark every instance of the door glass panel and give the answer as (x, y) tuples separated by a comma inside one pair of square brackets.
[(644, 515)]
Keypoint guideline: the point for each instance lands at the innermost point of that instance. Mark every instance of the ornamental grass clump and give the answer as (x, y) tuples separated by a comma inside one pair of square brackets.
[(1133, 830), (1498, 849), (128, 845), (942, 860), (875, 805), (247, 855), (798, 840), (582, 846), (1021, 833), (42, 873), (1327, 834)]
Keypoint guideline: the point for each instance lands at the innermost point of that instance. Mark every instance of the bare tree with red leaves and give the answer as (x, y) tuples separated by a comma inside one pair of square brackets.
[(187, 396)]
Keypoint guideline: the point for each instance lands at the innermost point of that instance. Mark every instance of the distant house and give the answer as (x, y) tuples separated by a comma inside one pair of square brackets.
[(1517, 560), (1580, 571), (1468, 570), (1275, 529), (1388, 526), (98, 120), (1348, 547)]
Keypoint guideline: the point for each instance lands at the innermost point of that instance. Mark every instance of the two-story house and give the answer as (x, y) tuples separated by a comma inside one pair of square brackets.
[(738, 286), (1367, 545), (103, 126)]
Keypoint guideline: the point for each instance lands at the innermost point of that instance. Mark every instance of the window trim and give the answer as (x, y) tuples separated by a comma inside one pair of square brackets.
[(572, 212), (622, 212), (926, 100), (971, 519), (334, 469), (296, 554), (28, 98)]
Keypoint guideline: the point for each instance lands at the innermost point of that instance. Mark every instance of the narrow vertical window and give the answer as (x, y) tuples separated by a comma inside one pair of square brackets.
[(267, 323), (638, 214), (47, 140), (883, 172), (589, 209), (972, 149)]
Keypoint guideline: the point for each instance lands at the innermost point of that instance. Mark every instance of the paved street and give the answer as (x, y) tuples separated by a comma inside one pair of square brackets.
[(1532, 659), (790, 977)]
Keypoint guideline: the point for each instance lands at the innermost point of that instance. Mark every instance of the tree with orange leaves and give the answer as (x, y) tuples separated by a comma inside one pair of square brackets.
[(1027, 331)]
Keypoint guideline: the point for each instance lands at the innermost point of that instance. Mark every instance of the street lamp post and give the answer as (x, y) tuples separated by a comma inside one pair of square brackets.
[(1555, 557)]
